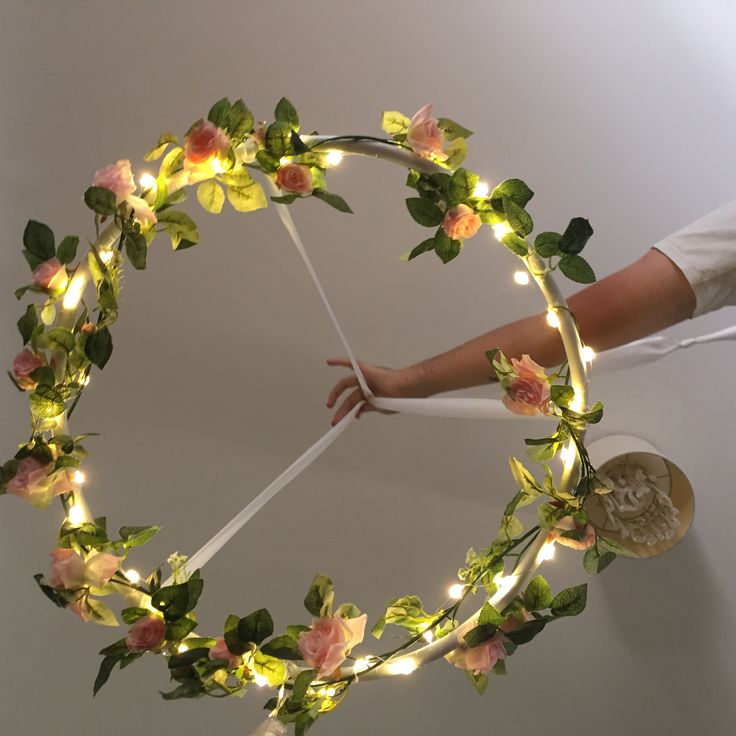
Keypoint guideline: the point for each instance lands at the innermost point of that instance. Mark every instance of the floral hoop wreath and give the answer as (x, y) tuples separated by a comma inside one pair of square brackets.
[(311, 666)]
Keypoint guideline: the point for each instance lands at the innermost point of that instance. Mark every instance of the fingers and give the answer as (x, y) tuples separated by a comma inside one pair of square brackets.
[(343, 362), (348, 405), (339, 387)]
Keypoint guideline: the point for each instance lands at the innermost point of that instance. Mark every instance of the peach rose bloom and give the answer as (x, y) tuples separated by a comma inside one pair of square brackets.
[(220, 651), (205, 141), (295, 178), (327, 643), (461, 222), (50, 275), (479, 659), (23, 365), (424, 136), (70, 571), (528, 392), (118, 178), (146, 633), (567, 524), (37, 483)]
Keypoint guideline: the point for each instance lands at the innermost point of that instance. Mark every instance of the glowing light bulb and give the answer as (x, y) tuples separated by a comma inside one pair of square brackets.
[(547, 552), (361, 665), (74, 291), (456, 591), (404, 666), (566, 453), (79, 477), (333, 158), (501, 229), (322, 692), (481, 189), (106, 256), (217, 166), (260, 680), (147, 181), (331, 692), (428, 636), (521, 278), (552, 319), (182, 648), (588, 353), (86, 380), (133, 576), (577, 403), (76, 515), (284, 160)]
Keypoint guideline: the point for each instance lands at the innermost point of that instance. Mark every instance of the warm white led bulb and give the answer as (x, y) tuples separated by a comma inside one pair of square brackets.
[(74, 291), (106, 256), (361, 665), (76, 515), (521, 277), (331, 692), (547, 552), (566, 453), (182, 648), (147, 181), (501, 229), (133, 576), (456, 591), (428, 636), (86, 381), (481, 189), (404, 666), (217, 165), (552, 319), (588, 353), (260, 680), (79, 477), (333, 158)]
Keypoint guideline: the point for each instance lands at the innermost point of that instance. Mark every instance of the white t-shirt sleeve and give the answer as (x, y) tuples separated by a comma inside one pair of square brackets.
[(705, 252)]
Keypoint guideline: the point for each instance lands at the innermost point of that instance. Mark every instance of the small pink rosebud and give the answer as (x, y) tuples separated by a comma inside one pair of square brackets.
[(295, 179), (146, 633), (205, 141), (424, 135), (23, 365), (461, 222), (50, 275), (118, 178)]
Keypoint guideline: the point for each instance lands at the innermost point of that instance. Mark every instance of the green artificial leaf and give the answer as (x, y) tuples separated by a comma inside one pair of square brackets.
[(462, 185), (172, 162), (394, 123), (220, 112), (547, 244), (58, 597), (378, 628), (285, 112), (523, 478), (46, 403), (67, 250), (570, 602), (39, 240), (98, 347), (320, 596), (136, 536), (270, 164), (456, 152), (101, 200), (423, 247), (180, 227), (612, 545), (303, 723), (518, 218), (480, 681), (27, 323), (301, 685), (445, 247), (282, 647), (57, 337), (211, 196), (594, 562), (256, 626), (100, 613), (576, 235), (278, 139), (538, 594), (526, 631), (453, 130), (232, 638), (285, 198), (424, 212), (248, 198), (188, 658), (136, 249), (514, 189), (48, 313), (44, 375), (164, 140), (132, 614), (509, 528), (240, 120), (577, 269), (106, 667), (175, 601), (516, 244), (180, 629), (334, 200), (479, 634), (191, 688), (489, 616), (562, 395), (273, 669)]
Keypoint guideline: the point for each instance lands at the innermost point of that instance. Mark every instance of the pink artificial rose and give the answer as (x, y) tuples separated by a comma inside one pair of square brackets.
[(514, 620), (118, 178), (67, 569), (329, 640), (295, 178), (425, 136), (205, 141), (567, 524), (220, 651), (461, 222), (23, 365), (528, 391), (50, 275), (146, 633), (479, 659), (100, 567), (37, 482), (79, 608)]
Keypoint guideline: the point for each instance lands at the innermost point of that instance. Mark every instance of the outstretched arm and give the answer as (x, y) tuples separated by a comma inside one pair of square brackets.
[(645, 297)]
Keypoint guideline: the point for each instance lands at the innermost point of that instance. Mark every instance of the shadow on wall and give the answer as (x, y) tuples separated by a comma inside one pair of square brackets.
[(675, 636)]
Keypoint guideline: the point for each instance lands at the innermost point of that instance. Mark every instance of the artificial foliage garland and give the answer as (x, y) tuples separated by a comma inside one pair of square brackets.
[(64, 337)]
